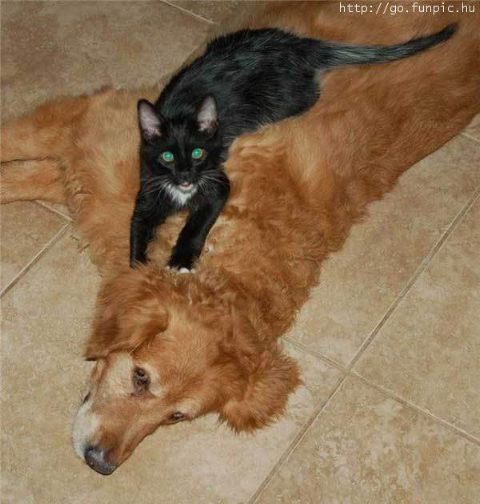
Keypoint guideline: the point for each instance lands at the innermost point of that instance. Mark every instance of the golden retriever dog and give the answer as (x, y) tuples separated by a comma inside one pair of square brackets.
[(171, 347)]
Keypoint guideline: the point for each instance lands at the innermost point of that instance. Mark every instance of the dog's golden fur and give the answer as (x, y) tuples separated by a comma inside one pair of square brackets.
[(209, 339)]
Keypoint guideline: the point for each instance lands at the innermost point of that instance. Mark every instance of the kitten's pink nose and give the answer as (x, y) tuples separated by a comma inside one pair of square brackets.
[(186, 186)]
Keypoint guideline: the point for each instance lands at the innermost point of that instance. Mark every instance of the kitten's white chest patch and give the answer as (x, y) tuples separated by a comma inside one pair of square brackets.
[(180, 197)]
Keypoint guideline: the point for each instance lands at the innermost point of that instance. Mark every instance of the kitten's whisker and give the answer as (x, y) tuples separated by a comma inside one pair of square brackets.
[(215, 178), (156, 177), (211, 174), (159, 195), (156, 180), (153, 190), (154, 185), (163, 188), (203, 188)]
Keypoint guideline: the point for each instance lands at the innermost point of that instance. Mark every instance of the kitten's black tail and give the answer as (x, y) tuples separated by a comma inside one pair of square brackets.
[(332, 54)]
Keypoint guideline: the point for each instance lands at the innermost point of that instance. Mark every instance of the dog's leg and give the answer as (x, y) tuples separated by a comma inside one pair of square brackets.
[(30, 180), (44, 133)]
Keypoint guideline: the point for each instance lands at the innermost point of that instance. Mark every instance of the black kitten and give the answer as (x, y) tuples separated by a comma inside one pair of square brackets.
[(180, 169), (243, 81)]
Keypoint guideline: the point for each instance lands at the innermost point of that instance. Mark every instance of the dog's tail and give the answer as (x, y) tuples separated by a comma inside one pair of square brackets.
[(326, 54)]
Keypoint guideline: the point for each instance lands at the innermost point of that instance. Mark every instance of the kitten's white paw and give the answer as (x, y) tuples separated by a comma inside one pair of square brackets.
[(181, 271)]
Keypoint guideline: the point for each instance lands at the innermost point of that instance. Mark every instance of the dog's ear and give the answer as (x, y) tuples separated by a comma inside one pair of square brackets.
[(104, 332), (267, 378), (123, 325)]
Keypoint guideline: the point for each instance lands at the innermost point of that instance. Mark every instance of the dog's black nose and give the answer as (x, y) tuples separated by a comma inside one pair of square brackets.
[(95, 458)]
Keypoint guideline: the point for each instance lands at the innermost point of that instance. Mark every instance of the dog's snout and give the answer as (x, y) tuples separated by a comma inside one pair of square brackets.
[(95, 458)]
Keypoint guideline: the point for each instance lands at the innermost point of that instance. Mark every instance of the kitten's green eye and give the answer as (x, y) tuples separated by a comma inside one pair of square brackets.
[(167, 156), (197, 153)]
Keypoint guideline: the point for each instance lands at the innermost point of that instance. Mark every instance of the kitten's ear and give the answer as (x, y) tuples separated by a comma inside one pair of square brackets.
[(149, 121), (207, 117)]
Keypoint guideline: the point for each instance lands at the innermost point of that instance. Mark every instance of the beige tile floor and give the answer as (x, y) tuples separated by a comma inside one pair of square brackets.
[(389, 343)]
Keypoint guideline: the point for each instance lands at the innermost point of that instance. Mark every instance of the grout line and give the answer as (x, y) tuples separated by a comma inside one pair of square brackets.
[(423, 266), (35, 258), (317, 413), (316, 354), (392, 395), (296, 441), (54, 210), (349, 372), (191, 13), (466, 134)]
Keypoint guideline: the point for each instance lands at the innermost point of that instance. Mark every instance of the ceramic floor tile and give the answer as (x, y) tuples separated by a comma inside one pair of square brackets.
[(215, 11), (473, 129), (358, 284), (367, 448), (60, 51), (25, 230), (429, 350), (47, 319)]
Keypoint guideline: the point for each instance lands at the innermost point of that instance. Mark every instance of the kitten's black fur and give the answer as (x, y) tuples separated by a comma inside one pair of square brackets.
[(243, 81)]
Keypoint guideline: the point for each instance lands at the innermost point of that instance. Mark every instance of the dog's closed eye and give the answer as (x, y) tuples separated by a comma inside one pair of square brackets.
[(178, 416), (141, 380)]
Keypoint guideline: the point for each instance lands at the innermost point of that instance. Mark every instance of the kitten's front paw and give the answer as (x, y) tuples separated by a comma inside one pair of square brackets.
[(182, 261)]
